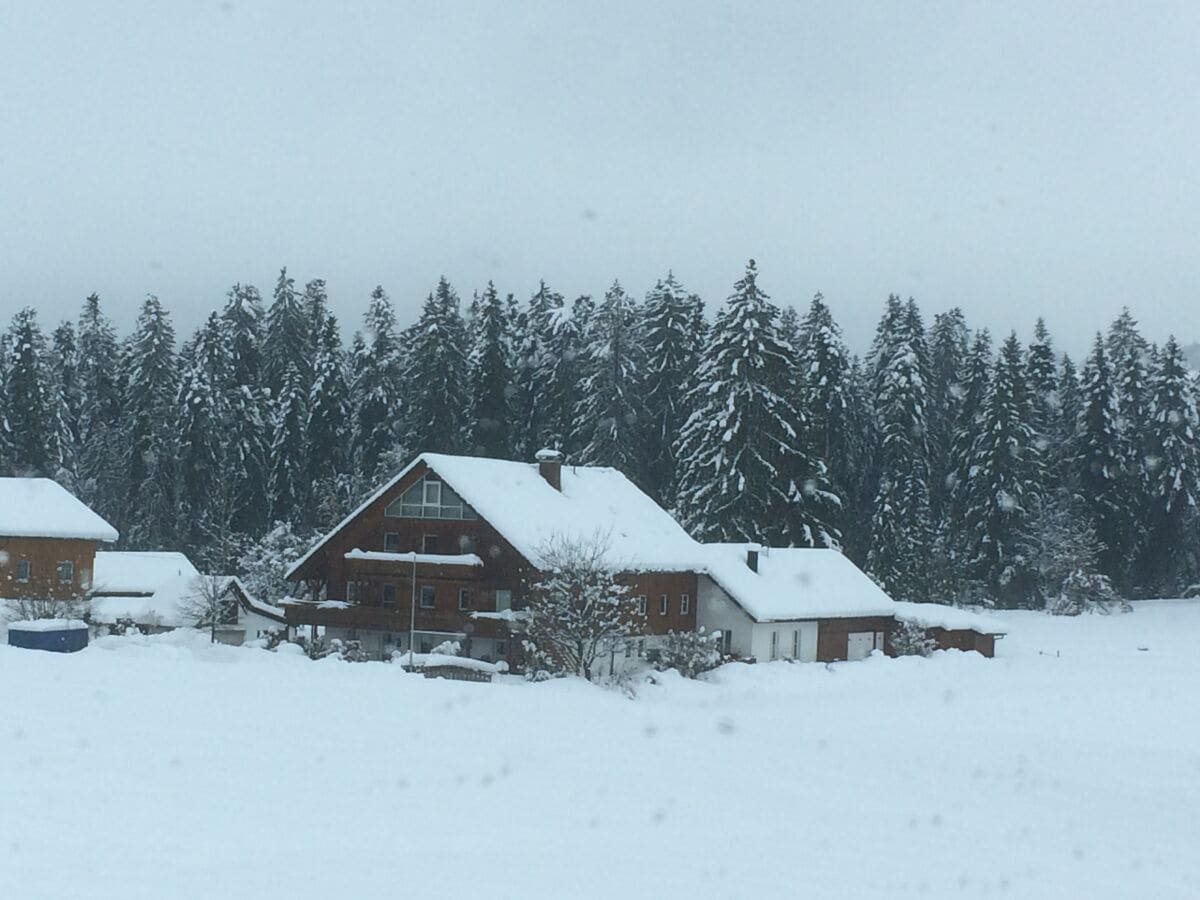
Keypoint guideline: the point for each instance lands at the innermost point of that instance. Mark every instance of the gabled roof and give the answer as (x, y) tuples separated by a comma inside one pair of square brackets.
[(41, 508), (128, 572), (795, 583), (521, 505), (170, 606)]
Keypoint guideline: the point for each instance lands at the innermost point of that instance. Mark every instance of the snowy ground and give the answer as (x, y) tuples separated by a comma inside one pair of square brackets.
[(1067, 767)]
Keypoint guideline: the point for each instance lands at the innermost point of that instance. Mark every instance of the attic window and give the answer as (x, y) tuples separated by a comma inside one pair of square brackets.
[(429, 498)]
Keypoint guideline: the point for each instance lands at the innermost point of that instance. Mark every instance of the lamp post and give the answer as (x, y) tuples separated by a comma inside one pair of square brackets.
[(412, 611)]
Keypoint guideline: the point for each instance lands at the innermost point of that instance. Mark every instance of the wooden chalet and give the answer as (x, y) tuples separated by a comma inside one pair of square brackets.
[(450, 545), (453, 541), (48, 541)]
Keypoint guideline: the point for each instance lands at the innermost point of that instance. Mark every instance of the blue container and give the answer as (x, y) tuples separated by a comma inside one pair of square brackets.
[(65, 638)]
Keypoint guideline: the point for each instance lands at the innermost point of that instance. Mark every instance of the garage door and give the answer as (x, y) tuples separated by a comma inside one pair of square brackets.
[(859, 644)]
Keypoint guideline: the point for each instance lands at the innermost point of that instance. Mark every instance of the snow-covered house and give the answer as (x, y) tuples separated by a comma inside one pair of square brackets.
[(180, 601), (48, 540), (448, 546), (791, 603), (463, 535)]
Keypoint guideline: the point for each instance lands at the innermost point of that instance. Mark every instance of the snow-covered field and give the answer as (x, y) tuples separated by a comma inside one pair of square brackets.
[(1067, 767)]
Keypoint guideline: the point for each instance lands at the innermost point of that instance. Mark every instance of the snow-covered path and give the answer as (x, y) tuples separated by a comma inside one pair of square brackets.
[(1068, 766)]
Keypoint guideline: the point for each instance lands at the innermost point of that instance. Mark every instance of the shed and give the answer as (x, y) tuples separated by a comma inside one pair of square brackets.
[(55, 635), (953, 628)]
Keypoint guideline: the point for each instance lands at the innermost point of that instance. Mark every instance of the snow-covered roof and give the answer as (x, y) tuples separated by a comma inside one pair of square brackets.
[(937, 615), (519, 503), (166, 607), (795, 583), (431, 559), (39, 507), (126, 572)]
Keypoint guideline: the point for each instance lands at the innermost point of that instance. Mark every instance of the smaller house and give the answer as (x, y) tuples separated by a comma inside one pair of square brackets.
[(48, 541), (161, 591), (808, 605), (952, 628)]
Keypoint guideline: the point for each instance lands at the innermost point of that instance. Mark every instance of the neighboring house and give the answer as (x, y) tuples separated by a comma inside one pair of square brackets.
[(455, 541), (48, 541), (174, 604), (124, 573), (792, 603)]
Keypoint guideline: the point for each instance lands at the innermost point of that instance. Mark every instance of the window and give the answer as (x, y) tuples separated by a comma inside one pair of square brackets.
[(464, 598), (352, 591), (796, 644), (641, 602), (727, 642), (23, 570), (774, 645), (429, 498), (685, 604), (501, 649), (466, 543), (429, 544), (426, 644), (427, 596), (664, 605), (503, 600), (391, 542), (66, 571), (389, 595)]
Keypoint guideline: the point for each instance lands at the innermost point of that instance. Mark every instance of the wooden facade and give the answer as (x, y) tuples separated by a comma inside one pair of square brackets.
[(377, 594), (833, 635), (963, 639), (43, 560)]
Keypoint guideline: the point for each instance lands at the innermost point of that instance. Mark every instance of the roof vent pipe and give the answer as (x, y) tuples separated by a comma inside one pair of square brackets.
[(550, 466)]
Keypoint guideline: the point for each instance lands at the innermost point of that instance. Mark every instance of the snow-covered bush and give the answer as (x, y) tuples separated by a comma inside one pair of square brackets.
[(910, 639), (447, 648), (1082, 592), (24, 609), (345, 650), (690, 653), (265, 562), (576, 609)]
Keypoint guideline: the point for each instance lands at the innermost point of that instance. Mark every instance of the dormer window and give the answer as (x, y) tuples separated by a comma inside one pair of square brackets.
[(429, 498)]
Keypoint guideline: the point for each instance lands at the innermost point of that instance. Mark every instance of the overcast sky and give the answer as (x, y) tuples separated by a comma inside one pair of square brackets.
[(1013, 159)]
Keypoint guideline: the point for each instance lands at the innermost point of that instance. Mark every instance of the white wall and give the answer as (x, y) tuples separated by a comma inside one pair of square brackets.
[(717, 612)]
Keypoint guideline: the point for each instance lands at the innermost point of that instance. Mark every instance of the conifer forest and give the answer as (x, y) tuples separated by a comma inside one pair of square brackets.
[(952, 464)]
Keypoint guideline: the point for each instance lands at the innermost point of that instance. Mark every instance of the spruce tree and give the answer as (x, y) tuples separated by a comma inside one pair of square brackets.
[(435, 380), (67, 402), (823, 364), (745, 472), (949, 342), (30, 419), (328, 407), (673, 335), (533, 413), (377, 367), (287, 481), (491, 392), (202, 426), (610, 409), (245, 399), (1171, 558), (1098, 463), (287, 342), (1003, 490), (561, 376), (901, 526), (100, 391), (148, 434)]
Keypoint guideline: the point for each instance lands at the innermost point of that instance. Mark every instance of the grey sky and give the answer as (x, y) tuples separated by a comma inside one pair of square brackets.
[(1009, 158)]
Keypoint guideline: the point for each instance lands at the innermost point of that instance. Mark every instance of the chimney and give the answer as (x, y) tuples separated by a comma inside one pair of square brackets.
[(752, 556), (550, 467)]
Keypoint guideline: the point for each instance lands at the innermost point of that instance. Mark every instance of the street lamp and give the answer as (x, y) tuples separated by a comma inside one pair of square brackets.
[(412, 610)]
